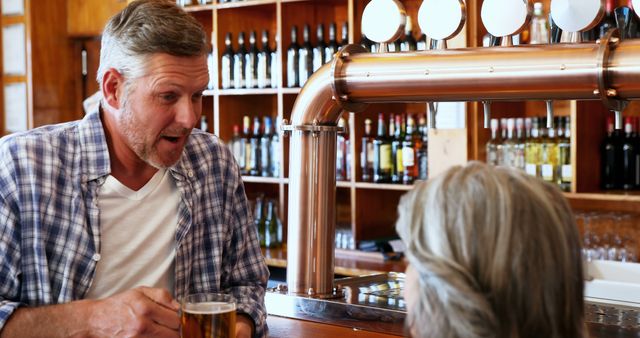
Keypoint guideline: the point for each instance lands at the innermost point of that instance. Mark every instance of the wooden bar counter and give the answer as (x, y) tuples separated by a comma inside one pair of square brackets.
[(281, 327)]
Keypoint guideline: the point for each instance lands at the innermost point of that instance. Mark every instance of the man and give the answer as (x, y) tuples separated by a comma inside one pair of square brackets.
[(103, 219)]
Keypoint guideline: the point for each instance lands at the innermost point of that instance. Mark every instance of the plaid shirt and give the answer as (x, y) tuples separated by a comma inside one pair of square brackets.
[(50, 230)]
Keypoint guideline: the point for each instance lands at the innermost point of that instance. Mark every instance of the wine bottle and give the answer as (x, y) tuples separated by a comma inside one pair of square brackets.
[(305, 57), (293, 59), (264, 62), (332, 46), (238, 63), (318, 50), (226, 64), (251, 63)]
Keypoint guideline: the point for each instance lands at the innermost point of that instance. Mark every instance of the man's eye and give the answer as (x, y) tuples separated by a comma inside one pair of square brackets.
[(168, 96), (196, 96)]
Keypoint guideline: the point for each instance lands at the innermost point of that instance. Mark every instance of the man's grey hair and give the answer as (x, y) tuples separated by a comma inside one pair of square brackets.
[(497, 254), (146, 27)]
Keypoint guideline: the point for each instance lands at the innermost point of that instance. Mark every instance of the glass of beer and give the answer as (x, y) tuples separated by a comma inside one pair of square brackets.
[(208, 315)]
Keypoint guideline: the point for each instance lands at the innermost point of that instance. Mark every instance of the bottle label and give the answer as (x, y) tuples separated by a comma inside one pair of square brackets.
[(547, 172), (531, 169), (226, 73), (370, 154), (566, 173), (399, 166), (408, 157), (263, 77), (385, 157)]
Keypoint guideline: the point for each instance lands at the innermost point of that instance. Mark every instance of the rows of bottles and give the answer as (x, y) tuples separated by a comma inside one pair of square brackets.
[(257, 148), (267, 222), (397, 153), (405, 43), (249, 68), (527, 144), (542, 30), (620, 156)]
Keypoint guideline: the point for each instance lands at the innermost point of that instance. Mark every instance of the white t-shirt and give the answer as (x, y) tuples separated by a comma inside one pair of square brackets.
[(137, 236)]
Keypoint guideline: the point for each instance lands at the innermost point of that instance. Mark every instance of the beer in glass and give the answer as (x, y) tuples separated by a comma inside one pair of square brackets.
[(208, 315)]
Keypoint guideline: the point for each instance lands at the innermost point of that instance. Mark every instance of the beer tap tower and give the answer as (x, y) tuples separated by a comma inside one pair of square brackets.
[(607, 70)]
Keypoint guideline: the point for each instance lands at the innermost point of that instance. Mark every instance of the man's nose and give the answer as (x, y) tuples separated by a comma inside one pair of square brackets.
[(186, 113)]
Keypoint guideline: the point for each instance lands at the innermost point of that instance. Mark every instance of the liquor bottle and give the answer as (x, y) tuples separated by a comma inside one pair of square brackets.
[(503, 136), (609, 20), (271, 226), (347, 152), (518, 158), (423, 154), (238, 63), (382, 165), (263, 68), (259, 221), (366, 43), (532, 150), (332, 46), (539, 28), (251, 63), (265, 148), (509, 144), (204, 125), (318, 50), (255, 155), (409, 42), (226, 63), (410, 146), (565, 171), (273, 65), (305, 57), (629, 152), (396, 150), (211, 68), (611, 156), (274, 151), (421, 43), (344, 37), (341, 154), (366, 153), (492, 145), (293, 59), (245, 163), (549, 155), (236, 145)]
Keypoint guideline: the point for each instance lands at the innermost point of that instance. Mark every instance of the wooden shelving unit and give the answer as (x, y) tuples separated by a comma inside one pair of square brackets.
[(370, 209)]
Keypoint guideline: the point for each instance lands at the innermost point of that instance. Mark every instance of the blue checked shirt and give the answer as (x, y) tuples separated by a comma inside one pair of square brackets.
[(50, 230)]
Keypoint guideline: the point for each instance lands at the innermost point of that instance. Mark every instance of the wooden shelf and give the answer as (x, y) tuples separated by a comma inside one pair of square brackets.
[(198, 8), (260, 179), (614, 196), (209, 92), (294, 91), (230, 92), (383, 186), (347, 263), (247, 3)]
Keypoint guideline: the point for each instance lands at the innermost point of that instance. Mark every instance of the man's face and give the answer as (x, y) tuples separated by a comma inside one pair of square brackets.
[(160, 108)]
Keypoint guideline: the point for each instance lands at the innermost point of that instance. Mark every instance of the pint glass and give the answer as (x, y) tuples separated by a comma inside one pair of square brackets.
[(208, 315)]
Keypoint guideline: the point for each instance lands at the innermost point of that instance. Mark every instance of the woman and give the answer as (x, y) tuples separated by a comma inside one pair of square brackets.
[(493, 252)]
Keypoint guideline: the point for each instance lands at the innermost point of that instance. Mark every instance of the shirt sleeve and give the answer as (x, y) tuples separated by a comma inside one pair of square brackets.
[(248, 272), (9, 247)]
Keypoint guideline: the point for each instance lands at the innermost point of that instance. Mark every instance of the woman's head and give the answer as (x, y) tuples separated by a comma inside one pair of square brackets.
[(493, 252)]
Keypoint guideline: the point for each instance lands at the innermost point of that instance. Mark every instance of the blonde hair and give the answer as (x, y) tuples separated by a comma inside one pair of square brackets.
[(497, 254)]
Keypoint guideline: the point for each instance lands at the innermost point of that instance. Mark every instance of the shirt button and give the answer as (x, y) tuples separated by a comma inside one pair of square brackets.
[(190, 173), (96, 257)]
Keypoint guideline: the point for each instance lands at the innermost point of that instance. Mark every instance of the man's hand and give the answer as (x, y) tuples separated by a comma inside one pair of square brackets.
[(140, 312), (244, 326)]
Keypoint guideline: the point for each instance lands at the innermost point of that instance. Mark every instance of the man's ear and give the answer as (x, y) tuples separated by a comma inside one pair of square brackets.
[(113, 84)]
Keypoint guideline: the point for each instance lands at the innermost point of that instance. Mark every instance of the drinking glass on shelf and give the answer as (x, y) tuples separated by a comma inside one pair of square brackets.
[(208, 315)]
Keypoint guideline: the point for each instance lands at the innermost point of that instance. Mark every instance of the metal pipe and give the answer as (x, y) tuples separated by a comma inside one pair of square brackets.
[(353, 80)]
